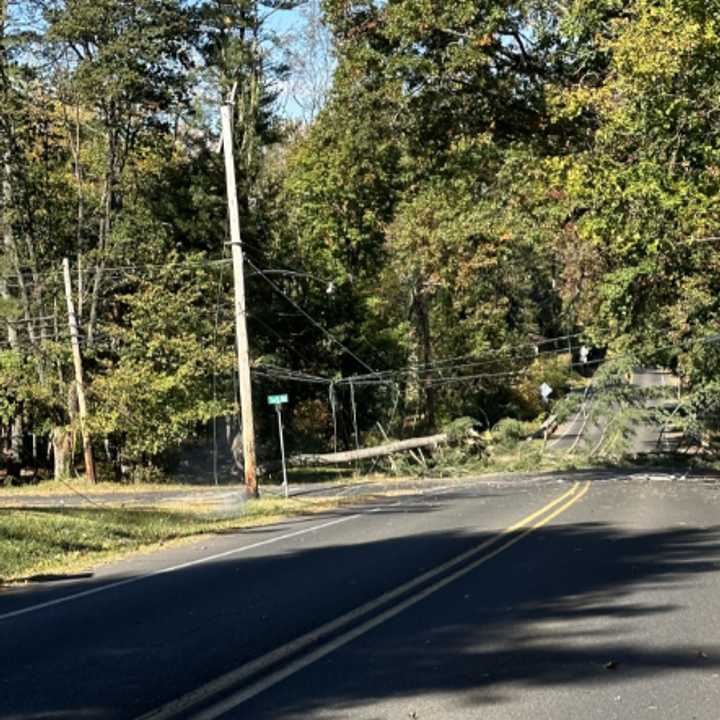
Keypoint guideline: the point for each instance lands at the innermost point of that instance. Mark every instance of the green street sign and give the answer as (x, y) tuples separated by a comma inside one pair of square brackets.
[(277, 399)]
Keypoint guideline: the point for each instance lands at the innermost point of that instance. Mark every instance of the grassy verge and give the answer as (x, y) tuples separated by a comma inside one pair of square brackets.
[(67, 487), (345, 475), (57, 541)]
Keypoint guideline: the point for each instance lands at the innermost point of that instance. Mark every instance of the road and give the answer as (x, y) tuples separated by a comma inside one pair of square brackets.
[(536, 598), (213, 498), (581, 433)]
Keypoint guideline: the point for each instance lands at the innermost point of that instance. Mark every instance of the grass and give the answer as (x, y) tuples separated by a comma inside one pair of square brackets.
[(66, 487), (320, 474), (345, 475), (57, 541)]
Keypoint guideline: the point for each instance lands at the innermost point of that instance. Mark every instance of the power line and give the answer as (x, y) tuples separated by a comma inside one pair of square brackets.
[(504, 349), (326, 332), (682, 345), (286, 343), (447, 365), (481, 376), (117, 271), (110, 269), (429, 370), (278, 374), (286, 272)]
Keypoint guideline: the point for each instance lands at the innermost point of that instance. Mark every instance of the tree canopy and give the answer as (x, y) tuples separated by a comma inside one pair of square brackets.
[(484, 188)]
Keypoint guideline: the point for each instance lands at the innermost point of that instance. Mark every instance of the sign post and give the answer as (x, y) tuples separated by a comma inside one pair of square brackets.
[(278, 401)]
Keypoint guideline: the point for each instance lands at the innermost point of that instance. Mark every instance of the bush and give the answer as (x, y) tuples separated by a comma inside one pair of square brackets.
[(508, 433), (311, 425)]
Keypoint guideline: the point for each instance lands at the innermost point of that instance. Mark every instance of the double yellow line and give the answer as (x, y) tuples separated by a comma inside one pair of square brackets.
[(343, 630)]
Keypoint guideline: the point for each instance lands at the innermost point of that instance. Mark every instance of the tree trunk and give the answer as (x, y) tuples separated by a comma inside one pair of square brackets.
[(339, 458), (108, 206), (62, 452), (8, 243), (16, 439)]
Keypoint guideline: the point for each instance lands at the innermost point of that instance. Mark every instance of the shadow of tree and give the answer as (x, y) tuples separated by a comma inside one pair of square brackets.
[(560, 609)]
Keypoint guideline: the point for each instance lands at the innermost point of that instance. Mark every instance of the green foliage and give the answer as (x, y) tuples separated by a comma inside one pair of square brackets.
[(38, 401), (461, 429), (643, 191), (106, 159), (158, 388), (696, 417), (508, 433), (137, 53), (484, 175)]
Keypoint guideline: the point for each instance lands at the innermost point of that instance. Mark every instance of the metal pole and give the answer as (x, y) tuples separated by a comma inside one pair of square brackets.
[(282, 450), (79, 382), (354, 414), (243, 355), (333, 407)]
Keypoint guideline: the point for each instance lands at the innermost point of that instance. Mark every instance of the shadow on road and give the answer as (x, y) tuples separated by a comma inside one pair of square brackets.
[(558, 609), (55, 577)]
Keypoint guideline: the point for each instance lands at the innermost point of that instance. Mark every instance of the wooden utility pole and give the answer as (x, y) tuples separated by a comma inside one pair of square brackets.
[(243, 355), (8, 246), (79, 382)]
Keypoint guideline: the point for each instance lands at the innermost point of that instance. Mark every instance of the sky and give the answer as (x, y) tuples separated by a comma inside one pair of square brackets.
[(289, 28), (313, 74)]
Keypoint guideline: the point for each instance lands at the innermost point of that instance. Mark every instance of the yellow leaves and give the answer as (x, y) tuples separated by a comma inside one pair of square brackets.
[(570, 103), (483, 40), (665, 42), (658, 51), (149, 163)]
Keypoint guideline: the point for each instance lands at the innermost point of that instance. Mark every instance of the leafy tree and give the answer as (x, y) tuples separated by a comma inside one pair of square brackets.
[(127, 61), (642, 191), (164, 357), (416, 165)]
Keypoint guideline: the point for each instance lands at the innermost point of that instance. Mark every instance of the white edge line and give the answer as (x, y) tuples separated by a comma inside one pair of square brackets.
[(200, 561), (173, 568), (554, 442)]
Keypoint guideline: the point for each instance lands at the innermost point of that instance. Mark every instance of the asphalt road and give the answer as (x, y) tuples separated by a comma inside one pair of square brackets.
[(601, 603), (579, 432)]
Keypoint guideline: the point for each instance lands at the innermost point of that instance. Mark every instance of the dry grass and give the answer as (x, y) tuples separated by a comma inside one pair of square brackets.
[(67, 487)]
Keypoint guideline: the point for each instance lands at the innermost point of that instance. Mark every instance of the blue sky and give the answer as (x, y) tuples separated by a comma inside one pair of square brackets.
[(291, 23), (282, 22)]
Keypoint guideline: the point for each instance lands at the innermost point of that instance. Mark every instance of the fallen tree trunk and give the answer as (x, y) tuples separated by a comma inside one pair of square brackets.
[(545, 430), (339, 458)]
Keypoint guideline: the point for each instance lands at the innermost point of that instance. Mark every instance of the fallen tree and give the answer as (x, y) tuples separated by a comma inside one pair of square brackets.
[(349, 456), (545, 430), (338, 458), (460, 431)]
